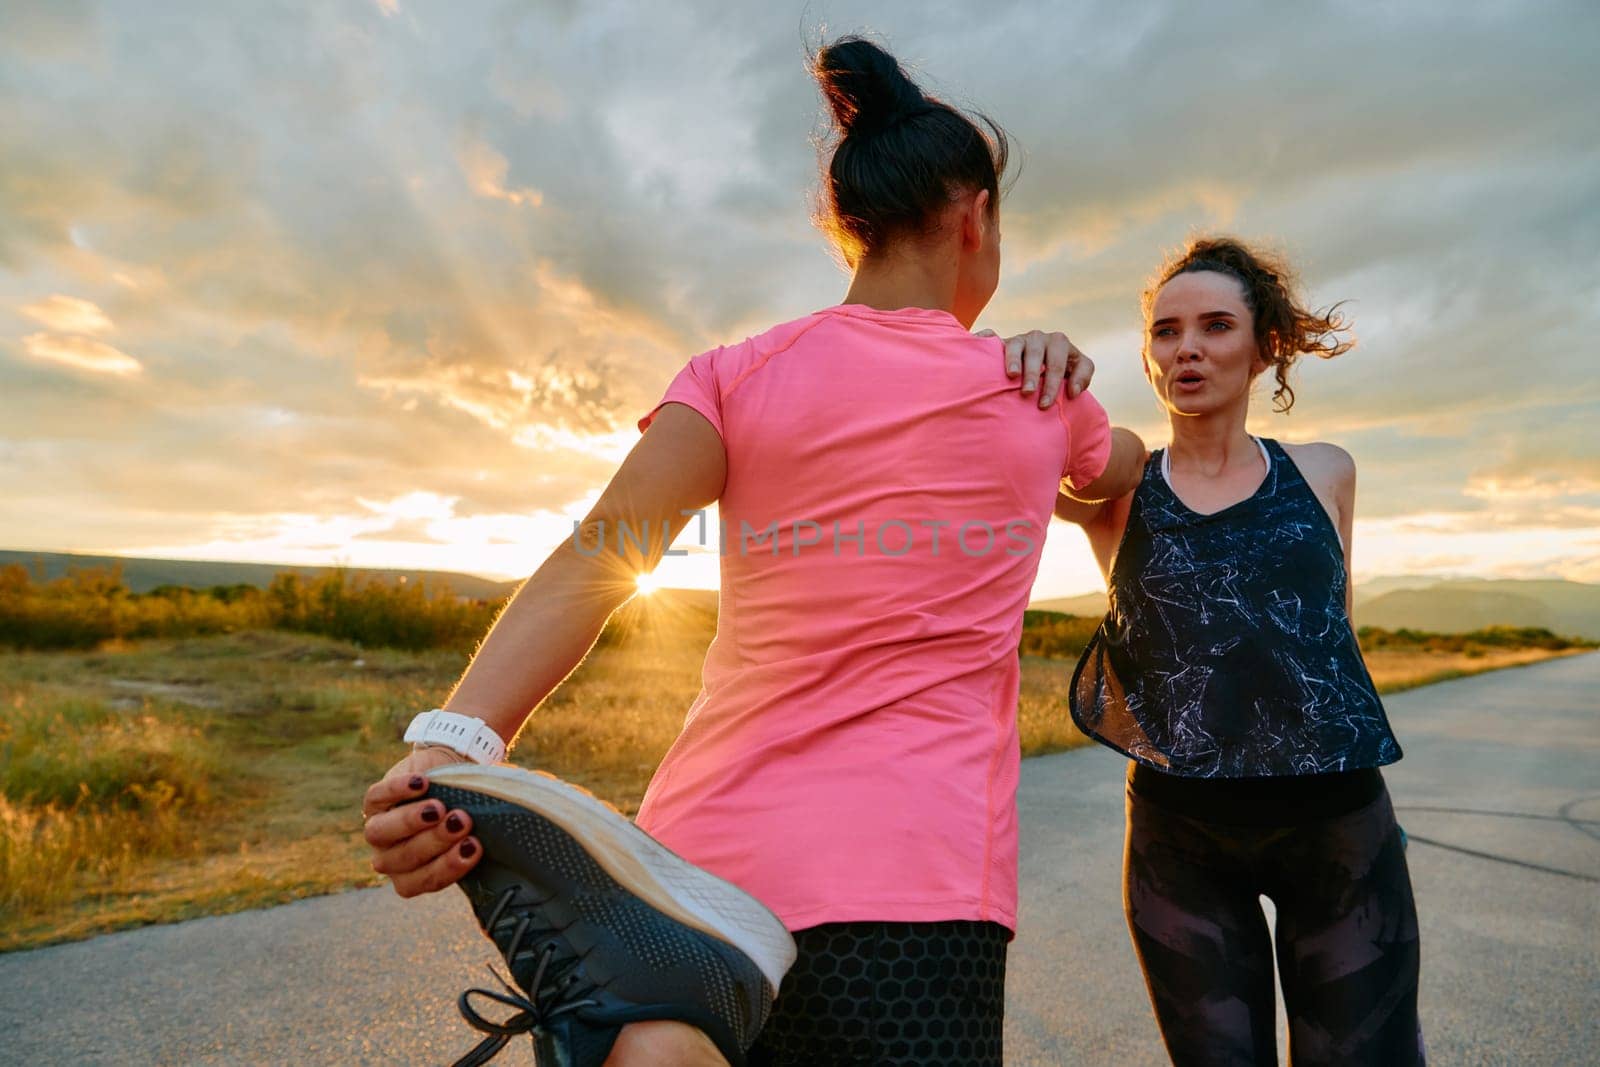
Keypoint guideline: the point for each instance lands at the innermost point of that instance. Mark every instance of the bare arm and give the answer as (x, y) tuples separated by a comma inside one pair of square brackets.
[(1120, 478), (678, 466), (543, 633)]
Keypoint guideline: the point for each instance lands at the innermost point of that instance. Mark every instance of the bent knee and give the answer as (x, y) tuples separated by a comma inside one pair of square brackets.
[(664, 1044)]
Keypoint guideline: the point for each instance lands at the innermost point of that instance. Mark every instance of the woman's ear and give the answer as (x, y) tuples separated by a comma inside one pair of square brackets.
[(977, 224), (1261, 362)]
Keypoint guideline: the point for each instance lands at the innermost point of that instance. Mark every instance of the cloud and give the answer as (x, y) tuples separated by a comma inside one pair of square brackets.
[(450, 253), (68, 314), (409, 531), (1453, 544), (486, 174), (80, 353)]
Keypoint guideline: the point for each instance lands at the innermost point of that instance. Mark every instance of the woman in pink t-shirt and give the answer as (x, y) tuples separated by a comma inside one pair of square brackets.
[(852, 758)]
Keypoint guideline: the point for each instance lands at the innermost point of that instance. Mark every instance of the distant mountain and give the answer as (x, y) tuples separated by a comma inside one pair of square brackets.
[(1453, 605), (1569, 608), (142, 575), (1368, 588)]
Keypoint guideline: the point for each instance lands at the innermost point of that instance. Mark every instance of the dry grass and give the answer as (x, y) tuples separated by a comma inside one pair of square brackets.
[(1397, 670), (163, 780), (147, 782), (265, 742), (1042, 717)]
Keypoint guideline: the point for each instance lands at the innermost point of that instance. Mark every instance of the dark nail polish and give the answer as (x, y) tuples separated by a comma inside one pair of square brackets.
[(417, 782), (468, 850), (430, 815), (453, 823)]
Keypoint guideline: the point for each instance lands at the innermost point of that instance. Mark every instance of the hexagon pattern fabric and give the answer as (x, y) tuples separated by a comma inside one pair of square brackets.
[(890, 995)]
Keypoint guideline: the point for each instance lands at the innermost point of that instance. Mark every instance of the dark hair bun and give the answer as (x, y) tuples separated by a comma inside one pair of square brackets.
[(864, 86), (896, 155)]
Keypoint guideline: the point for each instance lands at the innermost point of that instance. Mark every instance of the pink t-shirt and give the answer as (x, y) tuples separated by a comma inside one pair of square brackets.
[(853, 752)]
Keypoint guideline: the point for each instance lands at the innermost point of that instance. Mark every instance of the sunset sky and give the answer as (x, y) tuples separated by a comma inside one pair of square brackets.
[(387, 283)]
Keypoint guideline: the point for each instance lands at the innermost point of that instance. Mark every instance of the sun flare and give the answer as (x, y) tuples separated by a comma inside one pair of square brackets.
[(647, 584)]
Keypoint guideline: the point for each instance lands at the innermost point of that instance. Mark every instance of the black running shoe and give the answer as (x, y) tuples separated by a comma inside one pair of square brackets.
[(602, 925)]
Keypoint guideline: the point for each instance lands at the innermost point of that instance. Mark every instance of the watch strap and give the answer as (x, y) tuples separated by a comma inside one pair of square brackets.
[(472, 737)]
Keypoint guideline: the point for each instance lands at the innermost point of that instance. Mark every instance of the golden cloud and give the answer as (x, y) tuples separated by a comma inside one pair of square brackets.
[(1554, 466), (68, 314), (81, 353)]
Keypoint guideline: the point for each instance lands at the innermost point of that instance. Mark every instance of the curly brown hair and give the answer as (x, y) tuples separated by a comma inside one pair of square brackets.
[(1284, 328)]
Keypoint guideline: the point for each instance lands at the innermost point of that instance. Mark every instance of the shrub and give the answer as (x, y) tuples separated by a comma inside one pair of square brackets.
[(372, 612), (1500, 637), (1054, 635), (89, 607)]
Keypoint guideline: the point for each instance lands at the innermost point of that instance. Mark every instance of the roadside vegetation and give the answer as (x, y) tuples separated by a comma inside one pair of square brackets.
[(182, 753)]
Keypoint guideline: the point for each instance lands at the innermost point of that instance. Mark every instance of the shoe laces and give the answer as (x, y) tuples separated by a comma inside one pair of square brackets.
[(561, 996)]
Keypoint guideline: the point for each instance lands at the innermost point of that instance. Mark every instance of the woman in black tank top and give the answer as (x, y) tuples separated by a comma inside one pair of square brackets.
[(1228, 671)]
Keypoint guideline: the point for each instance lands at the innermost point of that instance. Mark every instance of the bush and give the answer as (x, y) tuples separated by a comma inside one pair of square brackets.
[(1054, 635), (1474, 643), (89, 607), (399, 614)]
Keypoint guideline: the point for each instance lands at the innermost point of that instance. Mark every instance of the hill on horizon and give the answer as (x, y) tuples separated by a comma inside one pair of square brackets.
[(1394, 602), (1442, 605), (1462, 604), (142, 574)]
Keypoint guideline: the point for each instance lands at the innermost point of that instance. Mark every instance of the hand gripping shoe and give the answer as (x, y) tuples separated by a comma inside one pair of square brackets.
[(601, 925)]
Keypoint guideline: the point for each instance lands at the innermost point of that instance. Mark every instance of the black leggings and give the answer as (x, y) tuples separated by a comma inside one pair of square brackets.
[(1346, 932), (884, 994)]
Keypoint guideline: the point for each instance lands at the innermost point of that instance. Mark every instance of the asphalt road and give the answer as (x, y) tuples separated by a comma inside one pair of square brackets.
[(1500, 791)]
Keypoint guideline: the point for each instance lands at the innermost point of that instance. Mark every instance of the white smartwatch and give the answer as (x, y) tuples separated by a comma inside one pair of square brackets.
[(471, 737)]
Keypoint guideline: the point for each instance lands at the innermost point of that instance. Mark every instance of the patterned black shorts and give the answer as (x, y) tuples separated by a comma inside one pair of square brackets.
[(879, 994)]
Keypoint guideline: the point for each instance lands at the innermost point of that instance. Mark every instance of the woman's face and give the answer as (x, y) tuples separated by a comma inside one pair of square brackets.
[(1200, 349)]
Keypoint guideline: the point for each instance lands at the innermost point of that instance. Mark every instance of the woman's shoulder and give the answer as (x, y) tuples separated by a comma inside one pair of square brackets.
[(1327, 467), (732, 363), (1326, 459)]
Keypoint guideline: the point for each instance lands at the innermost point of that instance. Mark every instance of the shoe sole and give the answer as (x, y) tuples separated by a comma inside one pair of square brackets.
[(639, 863)]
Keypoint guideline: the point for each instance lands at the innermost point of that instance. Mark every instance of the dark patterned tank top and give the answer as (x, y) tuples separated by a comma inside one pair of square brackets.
[(1227, 652)]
